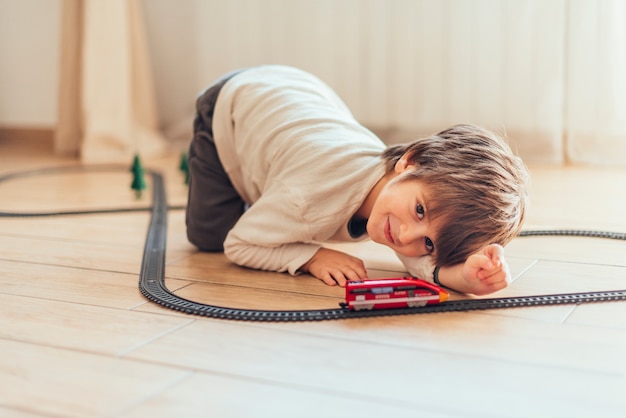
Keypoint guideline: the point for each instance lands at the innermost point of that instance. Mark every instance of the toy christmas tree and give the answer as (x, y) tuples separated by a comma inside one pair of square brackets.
[(184, 166), (139, 182)]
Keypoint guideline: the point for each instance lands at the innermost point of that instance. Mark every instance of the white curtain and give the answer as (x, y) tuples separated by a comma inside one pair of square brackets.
[(595, 105), (107, 109), (550, 74)]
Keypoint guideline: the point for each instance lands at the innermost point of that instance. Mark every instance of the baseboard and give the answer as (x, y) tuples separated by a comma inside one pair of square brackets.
[(25, 133), (37, 139)]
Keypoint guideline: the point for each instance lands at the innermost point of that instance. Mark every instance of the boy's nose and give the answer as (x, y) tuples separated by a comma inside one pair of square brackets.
[(411, 233)]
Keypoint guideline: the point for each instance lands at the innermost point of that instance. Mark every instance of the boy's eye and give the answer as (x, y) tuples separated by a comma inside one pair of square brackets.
[(419, 209), (429, 245)]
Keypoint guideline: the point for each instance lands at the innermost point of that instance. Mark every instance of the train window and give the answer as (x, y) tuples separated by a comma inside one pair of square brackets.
[(360, 290), (382, 290), (409, 287)]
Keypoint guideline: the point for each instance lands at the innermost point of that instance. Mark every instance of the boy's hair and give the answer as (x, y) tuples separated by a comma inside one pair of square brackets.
[(477, 188)]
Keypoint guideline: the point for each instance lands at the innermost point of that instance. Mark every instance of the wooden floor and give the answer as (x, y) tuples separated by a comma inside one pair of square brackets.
[(77, 338)]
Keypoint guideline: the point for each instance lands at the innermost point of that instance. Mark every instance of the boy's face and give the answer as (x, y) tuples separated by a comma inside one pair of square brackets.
[(400, 220)]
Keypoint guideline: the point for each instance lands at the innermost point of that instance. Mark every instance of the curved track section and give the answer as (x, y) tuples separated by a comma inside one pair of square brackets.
[(152, 274)]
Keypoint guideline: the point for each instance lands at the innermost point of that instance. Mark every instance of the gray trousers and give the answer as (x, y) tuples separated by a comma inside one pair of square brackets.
[(213, 205)]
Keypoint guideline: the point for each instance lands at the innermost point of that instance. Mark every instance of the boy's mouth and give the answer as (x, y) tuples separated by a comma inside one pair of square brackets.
[(388, 232)]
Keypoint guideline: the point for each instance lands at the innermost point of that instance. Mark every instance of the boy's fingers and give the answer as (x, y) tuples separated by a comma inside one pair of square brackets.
[(330, 281), (356, 270), (355, 273), (341, 277), (341, 282), (500, 276), (480, 262), (493, 279), (495, 252), (351, 276), (337, 276)]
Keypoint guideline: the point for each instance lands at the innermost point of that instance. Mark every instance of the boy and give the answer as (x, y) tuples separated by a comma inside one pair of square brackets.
[(278, 165)]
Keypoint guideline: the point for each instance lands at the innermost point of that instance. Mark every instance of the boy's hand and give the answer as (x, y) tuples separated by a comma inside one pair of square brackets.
[(334, 267), (486, 271)]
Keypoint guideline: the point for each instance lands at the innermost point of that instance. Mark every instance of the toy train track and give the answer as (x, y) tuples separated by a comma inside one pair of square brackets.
[(151, 284), (152, 273)]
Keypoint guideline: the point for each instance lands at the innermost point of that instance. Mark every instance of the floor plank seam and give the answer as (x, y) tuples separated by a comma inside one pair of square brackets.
[(72, 350), (569, 313), (156, 393), (70, 266), (124, 353), (166, 313), (73, 240), (527, 268)]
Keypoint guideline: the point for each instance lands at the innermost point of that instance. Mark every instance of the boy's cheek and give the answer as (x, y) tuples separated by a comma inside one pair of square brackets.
[(373, 232), (410, 252)]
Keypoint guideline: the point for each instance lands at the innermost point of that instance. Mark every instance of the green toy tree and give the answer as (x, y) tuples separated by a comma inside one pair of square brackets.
[(139, 182), (184, 166)]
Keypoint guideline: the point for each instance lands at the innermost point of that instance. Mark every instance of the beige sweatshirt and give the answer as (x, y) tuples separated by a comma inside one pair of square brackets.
[(295, 153)]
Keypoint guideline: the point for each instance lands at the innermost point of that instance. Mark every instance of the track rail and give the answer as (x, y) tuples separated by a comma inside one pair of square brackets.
[(152, 274)]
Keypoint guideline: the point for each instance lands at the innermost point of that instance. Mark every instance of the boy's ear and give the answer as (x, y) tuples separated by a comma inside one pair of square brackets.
[(402, 163)]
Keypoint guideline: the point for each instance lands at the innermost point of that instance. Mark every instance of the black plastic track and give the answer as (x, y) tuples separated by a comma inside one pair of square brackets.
[(573, 233), (152, 274)]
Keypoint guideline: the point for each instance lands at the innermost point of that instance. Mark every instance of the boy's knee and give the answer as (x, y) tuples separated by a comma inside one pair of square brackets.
[(204, 241)]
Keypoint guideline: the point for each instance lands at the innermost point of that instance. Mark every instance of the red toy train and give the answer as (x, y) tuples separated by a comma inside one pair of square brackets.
[(391, 293)]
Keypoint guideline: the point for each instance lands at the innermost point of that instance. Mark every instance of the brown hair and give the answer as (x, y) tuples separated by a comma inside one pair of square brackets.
[(477, 188)]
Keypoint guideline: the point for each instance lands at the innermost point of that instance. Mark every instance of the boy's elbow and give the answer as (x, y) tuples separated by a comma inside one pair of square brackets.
[(241, 255)]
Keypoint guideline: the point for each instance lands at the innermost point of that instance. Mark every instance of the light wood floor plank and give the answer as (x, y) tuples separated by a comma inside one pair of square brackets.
[(90, 287), (559, 277), (612, 315), (122, 230), (71, 191), (56, 382), (578, 197), (507, 339), (206, 394), (80, 327), (570, 249), (362, 358), (71, 254), (216, 268), (233, 296)]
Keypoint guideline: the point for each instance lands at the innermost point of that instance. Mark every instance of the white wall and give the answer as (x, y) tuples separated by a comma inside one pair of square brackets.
[(29, 54)]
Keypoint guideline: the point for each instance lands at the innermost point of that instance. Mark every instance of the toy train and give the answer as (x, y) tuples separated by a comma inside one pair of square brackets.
[(392, 293)]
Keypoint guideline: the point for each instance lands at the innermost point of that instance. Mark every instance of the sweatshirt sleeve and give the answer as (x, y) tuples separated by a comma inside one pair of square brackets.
[(421, 267), (271, 235)]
